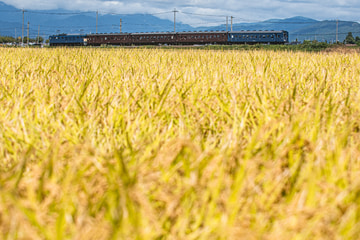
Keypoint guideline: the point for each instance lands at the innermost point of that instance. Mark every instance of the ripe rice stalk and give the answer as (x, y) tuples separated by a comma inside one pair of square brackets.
[(178, 144)]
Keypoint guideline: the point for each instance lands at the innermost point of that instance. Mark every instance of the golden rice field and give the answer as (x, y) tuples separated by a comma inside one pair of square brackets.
[(179, 144)]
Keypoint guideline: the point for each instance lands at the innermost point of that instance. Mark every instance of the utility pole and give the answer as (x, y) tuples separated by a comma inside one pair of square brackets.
[(231, 23), (38, 38), (227, 23), (175, 19), (337, 29), (97, 16), (22, 34), (28, 33), (120, 25)]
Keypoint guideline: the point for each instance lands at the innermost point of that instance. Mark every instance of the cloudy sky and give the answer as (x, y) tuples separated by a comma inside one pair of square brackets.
[(205, 12)]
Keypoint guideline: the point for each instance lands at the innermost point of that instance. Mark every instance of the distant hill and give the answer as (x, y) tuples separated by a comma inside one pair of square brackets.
[(288, 24), (326, 30), (63, 21)]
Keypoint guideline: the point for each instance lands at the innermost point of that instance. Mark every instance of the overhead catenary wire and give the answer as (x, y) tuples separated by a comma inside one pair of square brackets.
[(168, 12), (201, 14), (48, 29), (58, 13)]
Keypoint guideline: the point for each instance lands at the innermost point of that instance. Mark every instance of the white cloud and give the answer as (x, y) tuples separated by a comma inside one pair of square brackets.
[(241, 10)]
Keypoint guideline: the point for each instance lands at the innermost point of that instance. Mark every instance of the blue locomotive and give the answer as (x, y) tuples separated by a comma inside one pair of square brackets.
[(68, 40), (171, 38)]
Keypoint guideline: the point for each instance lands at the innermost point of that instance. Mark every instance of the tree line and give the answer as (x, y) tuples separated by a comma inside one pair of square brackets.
[(351, 40), (7, 39)]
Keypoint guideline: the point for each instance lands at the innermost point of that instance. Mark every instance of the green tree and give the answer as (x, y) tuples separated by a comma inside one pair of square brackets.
[(357, 40), (40, 39), (349, 39), (6, 39)]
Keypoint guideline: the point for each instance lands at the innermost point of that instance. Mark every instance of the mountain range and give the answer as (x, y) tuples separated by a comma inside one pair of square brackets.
[(51, 22)]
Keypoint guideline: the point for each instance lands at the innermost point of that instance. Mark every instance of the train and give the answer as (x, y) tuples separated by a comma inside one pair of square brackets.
[(171, 38)]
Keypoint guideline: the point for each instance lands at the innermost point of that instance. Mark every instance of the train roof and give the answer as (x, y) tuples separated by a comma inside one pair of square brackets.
[(95, 34), (68, 35), (158, 33), (257, 31), (189, 32)]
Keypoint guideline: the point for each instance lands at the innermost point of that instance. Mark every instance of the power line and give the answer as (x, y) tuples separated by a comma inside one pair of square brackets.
[(59, 13), (11, 11), (125, 14), (201, 14), (168, 12)]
